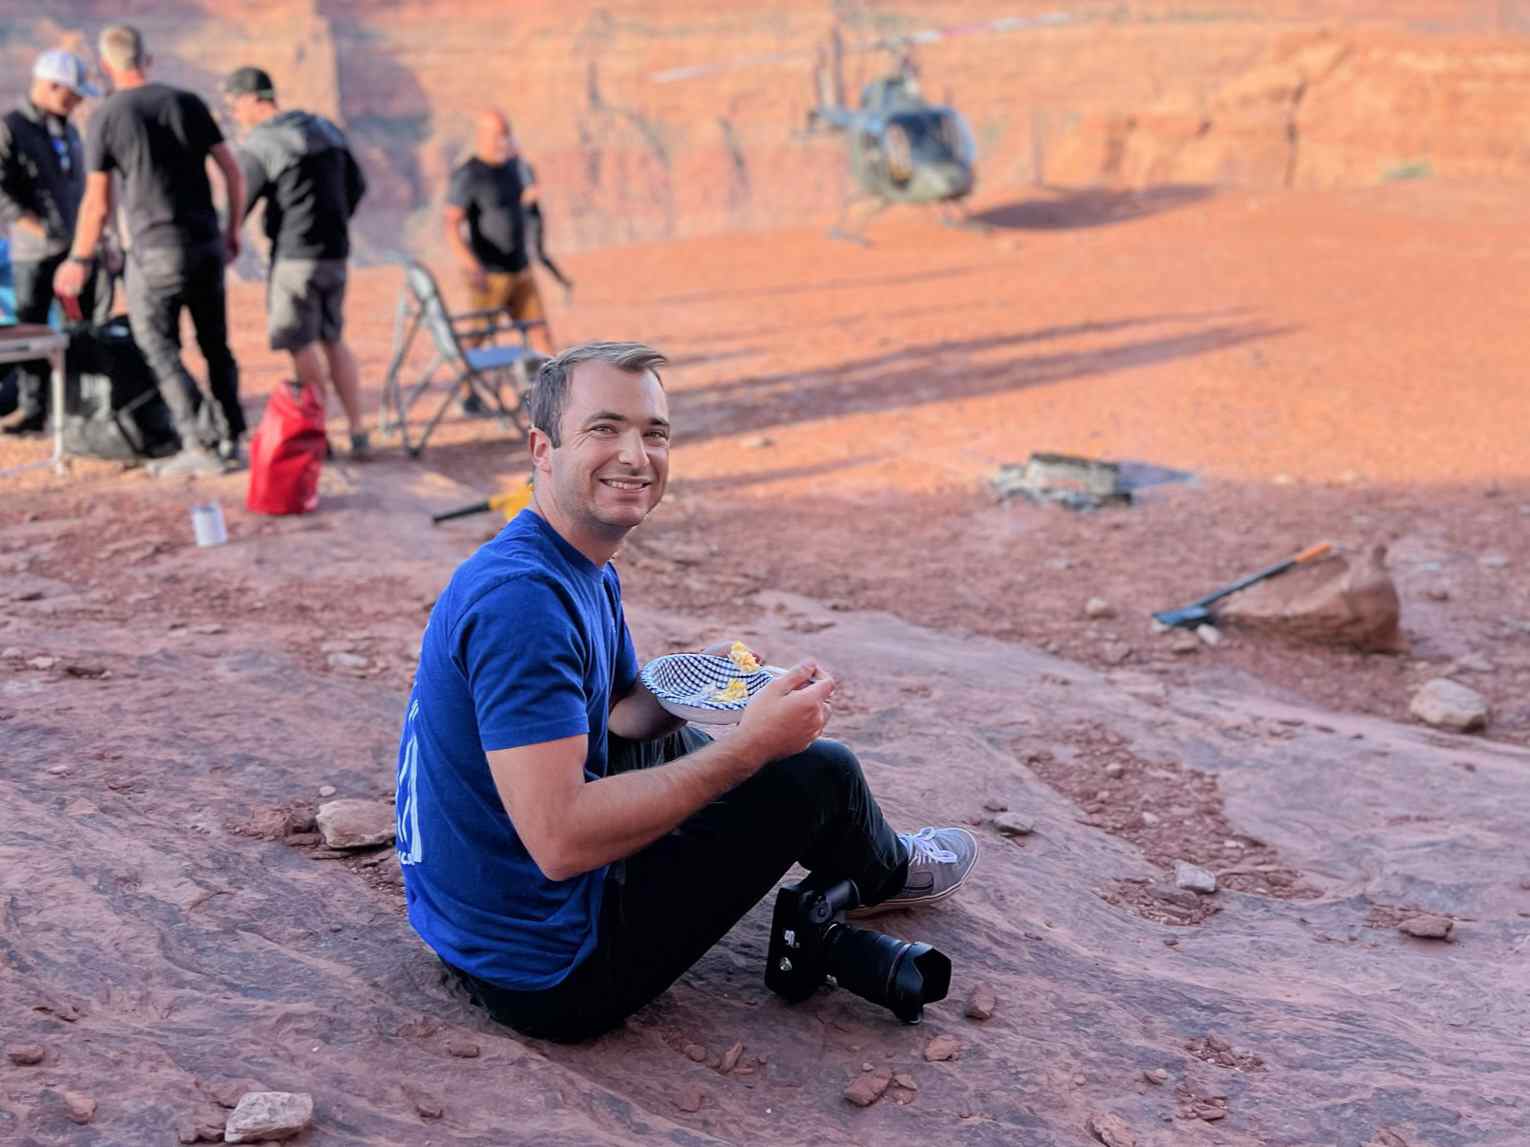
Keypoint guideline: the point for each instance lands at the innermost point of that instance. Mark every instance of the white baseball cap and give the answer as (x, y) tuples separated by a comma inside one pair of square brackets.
[(66, 69)]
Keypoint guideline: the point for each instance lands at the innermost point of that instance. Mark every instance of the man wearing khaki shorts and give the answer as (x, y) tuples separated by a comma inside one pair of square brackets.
[(300, 165), (487, 208)]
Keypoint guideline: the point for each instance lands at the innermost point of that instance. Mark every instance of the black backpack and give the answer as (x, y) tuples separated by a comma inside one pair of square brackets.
[(112, 404)]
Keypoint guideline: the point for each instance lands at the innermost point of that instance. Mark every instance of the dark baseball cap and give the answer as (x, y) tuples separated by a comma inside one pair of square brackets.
[(251, 82)]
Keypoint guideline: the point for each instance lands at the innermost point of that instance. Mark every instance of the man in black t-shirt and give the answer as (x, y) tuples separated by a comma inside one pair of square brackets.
[(488, 205), (156, 139), (300, 165)]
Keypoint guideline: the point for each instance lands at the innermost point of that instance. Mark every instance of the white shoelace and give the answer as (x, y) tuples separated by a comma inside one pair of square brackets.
[(923, 849)]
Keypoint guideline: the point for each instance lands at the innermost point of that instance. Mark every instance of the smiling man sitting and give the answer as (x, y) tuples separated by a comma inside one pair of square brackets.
[(568, 848)]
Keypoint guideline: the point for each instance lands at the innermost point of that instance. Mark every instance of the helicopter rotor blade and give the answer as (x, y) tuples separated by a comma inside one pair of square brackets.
[(694, 71)]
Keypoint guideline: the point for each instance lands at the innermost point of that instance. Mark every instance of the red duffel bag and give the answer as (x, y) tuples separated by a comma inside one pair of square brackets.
[(287, 452)]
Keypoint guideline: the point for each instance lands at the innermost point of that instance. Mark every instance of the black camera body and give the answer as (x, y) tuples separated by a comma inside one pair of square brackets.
[(810, 943)]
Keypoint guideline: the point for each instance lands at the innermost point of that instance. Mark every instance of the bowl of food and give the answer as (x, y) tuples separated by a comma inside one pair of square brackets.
[(706, 689)]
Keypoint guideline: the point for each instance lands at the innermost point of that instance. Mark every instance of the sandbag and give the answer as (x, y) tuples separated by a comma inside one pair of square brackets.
[(287, 452)]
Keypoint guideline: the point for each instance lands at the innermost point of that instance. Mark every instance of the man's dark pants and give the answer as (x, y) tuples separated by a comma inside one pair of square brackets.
[(33, 284), (667, 905), (161, 282)]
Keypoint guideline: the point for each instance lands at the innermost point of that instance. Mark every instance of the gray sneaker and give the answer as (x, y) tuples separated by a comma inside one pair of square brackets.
[(940, 861), (187, 463)]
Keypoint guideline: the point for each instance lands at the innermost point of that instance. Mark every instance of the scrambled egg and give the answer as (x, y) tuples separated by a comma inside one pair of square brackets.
[(739, 654), (735, 690)]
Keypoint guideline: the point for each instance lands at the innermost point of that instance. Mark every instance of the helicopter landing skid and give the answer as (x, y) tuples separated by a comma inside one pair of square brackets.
[(959, 220), (840, 231)]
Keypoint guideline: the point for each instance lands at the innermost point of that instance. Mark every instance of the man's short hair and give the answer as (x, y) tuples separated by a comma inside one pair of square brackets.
[(122, 47), (250, 81), (549, 397)]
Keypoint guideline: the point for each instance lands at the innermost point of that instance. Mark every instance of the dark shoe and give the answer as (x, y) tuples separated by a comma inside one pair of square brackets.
[(361, 446), (31, 422), (475, 407), (188, 463), (940, 861), (231, 454)]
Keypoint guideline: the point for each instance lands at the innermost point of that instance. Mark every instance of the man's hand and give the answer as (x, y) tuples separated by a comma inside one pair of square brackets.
[(69, 279), (788, 714), (231, 246)]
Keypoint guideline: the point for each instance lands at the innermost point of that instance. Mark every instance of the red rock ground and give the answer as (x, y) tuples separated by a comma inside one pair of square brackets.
[(1334, 364)]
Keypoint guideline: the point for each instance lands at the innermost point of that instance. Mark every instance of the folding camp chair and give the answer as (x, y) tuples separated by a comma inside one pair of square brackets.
[(467, 359)]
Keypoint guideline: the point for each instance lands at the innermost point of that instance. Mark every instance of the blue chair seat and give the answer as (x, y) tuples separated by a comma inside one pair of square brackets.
[(494, 357)]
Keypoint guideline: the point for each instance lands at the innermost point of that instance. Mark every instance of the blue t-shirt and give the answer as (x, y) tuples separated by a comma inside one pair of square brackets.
[(526, 644)]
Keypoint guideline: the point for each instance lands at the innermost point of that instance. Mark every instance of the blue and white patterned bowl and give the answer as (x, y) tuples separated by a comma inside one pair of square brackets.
[(686, 685)]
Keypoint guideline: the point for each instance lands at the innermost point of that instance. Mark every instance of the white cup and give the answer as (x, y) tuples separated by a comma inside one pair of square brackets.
[(207, 521)]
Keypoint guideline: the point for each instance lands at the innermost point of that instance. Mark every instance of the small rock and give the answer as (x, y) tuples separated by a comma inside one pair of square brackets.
[(1428, 927), (730, 1057), (426, 1105), (462, 1048), (759, 442), (1169, 894), (1194, 877), (352, 823), (1493, 561), (1012, 824), (1111, 1130), (43, 662), (11, 652), (689, 1098), (1447, 705), (1217, 1043), (1437, 593), (1098, 607), (906, 1081), (326, 790), (1183, 641), (1157, 1077), (1209, 635), (82, 1108), (208, 629), (981, 1002), (941, 1048), (993, 804), (269, 1115), (866, 1088), (1116, 652), (1209, 1112), (25, 1054), (1149, 819), (347, 661), (868, 1066), (695, 1053), (1114, 769)]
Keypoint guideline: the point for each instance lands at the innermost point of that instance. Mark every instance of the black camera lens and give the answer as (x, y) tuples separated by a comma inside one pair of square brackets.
[(900, 975)]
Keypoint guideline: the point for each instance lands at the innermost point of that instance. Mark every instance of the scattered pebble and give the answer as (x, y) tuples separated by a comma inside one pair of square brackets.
[(1194, 877), (1114, 769), (730, 1057), (1013, 824), (1437, 593), (1116, 652), (1448, 705), (462, 1048), (347, 661), (11, 652), (270, 1115), (981, 1002), (326, 790), (209, 629), (866, 1088), (1111, 1130), (1183, 641), (1149, 819), (695, 1053), (759, 442), (941, 1048), (43, 662), (353, 823), (25, 1054), (59, 770), (1471, 663), (906, 1081), (1428, 927), (82, 1108), (1493, 561), (426, 1105), (1208, 635), (993, 804), (1157, 1077), (1098, 607), (689, 1098)]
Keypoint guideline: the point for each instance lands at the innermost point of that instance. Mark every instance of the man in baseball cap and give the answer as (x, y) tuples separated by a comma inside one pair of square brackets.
[(42, 179)]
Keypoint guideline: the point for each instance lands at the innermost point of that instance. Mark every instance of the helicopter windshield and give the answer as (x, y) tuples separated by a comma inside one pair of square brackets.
[(934, 135)]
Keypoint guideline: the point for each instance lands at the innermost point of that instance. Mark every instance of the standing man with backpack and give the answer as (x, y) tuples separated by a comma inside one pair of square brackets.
[(42, 180), (300, 165), (157, 140)]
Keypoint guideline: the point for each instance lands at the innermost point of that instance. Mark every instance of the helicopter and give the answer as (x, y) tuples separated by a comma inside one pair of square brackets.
[(900, 146)]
